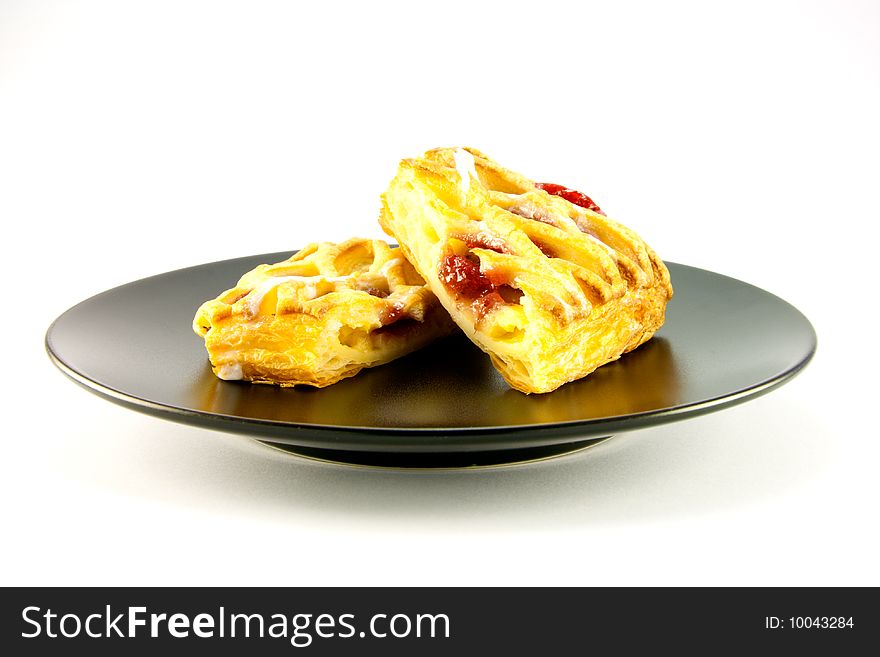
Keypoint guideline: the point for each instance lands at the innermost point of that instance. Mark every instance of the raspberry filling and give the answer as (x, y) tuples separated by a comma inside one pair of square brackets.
[(462, 275), (570, 195)]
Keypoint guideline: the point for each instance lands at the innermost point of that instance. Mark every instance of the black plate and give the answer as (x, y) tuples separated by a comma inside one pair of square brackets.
[(724, 342)]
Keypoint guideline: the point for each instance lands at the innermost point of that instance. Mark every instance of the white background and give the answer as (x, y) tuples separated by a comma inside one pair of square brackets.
[(141, 137)]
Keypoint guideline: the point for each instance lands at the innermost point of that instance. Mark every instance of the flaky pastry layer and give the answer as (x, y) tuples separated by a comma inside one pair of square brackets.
[(549, 289), (320, 316)]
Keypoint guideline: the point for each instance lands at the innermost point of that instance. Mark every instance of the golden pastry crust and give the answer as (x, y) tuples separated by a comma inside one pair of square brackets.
[(320, 316), (549, 289)]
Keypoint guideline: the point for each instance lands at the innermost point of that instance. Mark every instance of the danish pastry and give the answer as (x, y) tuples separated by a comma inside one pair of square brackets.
[(320, 316), (535, 274)]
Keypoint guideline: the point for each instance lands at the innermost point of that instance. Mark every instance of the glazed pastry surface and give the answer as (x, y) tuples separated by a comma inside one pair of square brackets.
[(535, 274), (320, 316)]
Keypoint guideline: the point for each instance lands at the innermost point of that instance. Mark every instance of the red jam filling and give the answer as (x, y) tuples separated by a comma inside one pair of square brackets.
[(485, 304), (570, 195), (463, 276)]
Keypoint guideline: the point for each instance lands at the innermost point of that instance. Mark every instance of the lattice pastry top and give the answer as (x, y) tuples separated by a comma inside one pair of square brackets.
[(535, 274), (321, 315)]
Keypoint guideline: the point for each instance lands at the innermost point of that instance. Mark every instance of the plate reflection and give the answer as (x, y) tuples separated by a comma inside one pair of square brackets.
[(452, 384)]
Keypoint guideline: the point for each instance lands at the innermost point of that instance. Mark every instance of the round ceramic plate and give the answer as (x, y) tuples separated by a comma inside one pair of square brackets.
[(724, 342)]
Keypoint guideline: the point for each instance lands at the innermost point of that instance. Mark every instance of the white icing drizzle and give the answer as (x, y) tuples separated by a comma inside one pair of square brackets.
[(255, 298), (490, 241), (530, 211), (464, 164), (230, 372)]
